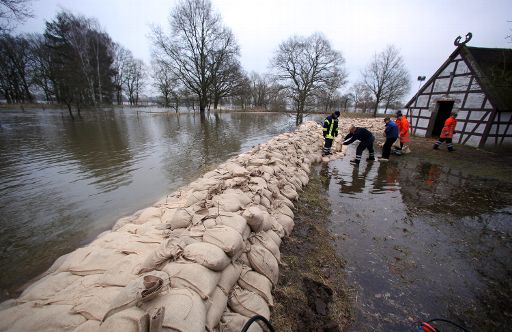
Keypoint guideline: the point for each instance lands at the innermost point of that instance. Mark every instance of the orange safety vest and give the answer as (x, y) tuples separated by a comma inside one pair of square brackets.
[(449, 128), (403, 128)]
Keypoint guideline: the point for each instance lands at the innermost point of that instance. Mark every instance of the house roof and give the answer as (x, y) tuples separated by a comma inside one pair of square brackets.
[(493, 67), (493, 70)]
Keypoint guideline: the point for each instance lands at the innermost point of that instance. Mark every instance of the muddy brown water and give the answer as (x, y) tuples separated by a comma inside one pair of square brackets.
[(423, 236), (63, 182)]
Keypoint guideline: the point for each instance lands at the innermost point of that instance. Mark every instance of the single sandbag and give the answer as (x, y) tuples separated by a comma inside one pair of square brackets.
[(280, 207), (275, 237), (95, 302), (235, 169), (194, 276), (129, 320), (229, 277), (264, 262), (232, 220), (207, 254), (47, 287), (26, 317), (196, 197), (184, 310), (170, 249), (285, 221), (96, 261), (255, 217), (248, 303), (266, 241), (88, 326), (257, 283), (225, 238), (217, 305), (205, 184), (233, 322), (121, 273), (138, 291), (177, 218)]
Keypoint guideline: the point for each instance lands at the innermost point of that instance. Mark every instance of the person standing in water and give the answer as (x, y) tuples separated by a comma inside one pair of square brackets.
[(330, 130)]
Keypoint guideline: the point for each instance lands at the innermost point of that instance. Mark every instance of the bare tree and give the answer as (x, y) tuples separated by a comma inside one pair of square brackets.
[(362, 97), (198, 47), (13, 11), (165, 82), (305, 66), (121, 58), (260, 86), (15, 78), (386, 77), (134, 80)]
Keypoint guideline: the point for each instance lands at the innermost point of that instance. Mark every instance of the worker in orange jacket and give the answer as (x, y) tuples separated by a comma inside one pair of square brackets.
[(447, 133), (403, 129)]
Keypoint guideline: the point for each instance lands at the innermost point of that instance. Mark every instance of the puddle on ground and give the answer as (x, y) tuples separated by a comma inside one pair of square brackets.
[(422, 240)]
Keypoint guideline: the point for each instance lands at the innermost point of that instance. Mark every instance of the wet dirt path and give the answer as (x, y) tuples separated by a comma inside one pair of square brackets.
[(311, 293), (426, 235)]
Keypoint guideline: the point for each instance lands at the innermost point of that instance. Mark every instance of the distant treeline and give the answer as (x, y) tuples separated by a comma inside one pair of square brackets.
[(195, 63)]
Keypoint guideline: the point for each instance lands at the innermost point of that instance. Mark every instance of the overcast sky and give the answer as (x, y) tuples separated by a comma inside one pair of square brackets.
[(423, 30)]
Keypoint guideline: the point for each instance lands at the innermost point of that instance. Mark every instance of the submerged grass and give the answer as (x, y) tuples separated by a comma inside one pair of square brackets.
[(311, 276)]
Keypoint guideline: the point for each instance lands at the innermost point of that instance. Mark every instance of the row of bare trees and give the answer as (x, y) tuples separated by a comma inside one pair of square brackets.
[(197, 60), (73, 62)]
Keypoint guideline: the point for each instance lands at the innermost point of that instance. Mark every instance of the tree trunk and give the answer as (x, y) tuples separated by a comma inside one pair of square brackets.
[(377, 101), (69, 110)]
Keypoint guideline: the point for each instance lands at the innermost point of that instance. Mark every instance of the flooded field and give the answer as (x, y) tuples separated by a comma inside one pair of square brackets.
[(426, 235), (63, 182)]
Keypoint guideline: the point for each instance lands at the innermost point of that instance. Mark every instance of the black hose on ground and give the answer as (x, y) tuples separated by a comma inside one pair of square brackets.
[(255, 318)]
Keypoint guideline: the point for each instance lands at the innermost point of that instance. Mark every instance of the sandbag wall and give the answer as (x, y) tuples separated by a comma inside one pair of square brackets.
[(204, 258)]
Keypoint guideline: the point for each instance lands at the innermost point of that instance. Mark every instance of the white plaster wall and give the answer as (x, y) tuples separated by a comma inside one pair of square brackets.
[(460, 83), (421, 132), (423, 123), (462, 68), (473, 140), (488, 104), (478, 115), (475, 85), (449, 68), (474, 100), (428, 88), (462, 115), (479, 128), (422, 101), (441, 84)]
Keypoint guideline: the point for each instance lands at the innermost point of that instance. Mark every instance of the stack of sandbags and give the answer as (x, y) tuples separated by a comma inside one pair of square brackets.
[(205, 257)]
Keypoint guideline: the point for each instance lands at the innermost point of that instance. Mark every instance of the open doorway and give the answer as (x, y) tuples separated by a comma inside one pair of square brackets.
[(444, 109)]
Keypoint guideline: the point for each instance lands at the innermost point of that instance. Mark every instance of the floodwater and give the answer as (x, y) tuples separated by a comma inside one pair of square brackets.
[(63, 182), (425, 236)]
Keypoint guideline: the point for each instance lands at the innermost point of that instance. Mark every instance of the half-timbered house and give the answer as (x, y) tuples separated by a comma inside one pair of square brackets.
[(476, 83)]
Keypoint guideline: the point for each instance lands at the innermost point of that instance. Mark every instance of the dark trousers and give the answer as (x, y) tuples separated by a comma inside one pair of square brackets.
[(327, 146), (441, 140), (368, 144), (386, 149)]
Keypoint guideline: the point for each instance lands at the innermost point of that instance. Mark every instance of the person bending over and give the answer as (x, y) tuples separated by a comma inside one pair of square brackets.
[(366, 139)]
